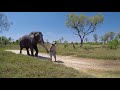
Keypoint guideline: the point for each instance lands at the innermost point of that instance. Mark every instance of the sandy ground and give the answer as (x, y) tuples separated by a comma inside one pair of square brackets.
[(79, 63)]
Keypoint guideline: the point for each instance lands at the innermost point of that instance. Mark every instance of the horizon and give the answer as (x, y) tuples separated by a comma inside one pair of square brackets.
[(52, 25)]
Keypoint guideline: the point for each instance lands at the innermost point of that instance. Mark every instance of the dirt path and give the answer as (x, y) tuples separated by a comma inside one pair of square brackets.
[(80, 63)]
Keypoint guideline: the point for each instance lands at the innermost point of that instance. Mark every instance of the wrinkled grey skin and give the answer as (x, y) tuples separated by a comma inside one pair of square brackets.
[(31, 41)]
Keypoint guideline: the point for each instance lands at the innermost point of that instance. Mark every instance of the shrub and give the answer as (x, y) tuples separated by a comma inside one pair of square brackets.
[(76, 43), (65, 45), (113, 44), (88, 47)]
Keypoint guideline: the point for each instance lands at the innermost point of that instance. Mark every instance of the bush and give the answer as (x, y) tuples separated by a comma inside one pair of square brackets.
[(113, 44), (88, 47), (76, 43), (65, 45)]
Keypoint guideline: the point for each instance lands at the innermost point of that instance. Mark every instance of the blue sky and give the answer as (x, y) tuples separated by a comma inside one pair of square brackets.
[(52, 24)]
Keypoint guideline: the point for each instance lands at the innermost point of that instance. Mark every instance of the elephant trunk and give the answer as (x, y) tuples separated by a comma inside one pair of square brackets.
[(45, 47)]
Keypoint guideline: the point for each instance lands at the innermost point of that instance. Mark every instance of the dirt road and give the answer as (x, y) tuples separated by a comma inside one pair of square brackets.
[(80, 63)]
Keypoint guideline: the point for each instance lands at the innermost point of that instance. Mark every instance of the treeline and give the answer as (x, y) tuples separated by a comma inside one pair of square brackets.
[(107, 37), (5, 41), (109, 40)]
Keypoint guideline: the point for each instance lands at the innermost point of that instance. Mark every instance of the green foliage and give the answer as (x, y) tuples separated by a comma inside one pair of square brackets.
[(88, 47), (118, 36), (76, 43), (113, 44), (57, 41), (95, 38), (4, 40), (95, 52), (108, 37), (65, 44), (16, 42), (91, 43), (11, 66)]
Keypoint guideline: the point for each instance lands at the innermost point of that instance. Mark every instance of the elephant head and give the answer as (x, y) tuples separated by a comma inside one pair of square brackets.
[(38, 37)]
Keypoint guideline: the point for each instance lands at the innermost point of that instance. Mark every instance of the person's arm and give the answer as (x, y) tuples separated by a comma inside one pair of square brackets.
[(50, 47)]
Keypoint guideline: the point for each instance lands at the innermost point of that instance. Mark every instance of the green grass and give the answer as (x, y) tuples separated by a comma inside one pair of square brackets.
[(21, 66), (12, 65), (103, 73), (87, 51)]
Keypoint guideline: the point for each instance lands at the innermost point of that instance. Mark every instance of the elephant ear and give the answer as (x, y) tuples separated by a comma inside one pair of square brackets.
[(36, 34), (31, 35)]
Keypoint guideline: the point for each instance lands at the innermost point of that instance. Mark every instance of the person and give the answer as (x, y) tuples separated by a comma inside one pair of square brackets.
[(52, 51)]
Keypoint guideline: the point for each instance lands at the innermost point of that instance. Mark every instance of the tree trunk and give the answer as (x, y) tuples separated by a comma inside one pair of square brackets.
[(81, 43)]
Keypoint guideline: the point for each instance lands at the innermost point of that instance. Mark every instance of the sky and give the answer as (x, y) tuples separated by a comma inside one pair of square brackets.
[(53, 25)]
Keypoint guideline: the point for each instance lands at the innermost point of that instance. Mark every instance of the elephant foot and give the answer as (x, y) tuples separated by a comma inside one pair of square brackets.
[(36, 55), (28, 54), (32, 55)]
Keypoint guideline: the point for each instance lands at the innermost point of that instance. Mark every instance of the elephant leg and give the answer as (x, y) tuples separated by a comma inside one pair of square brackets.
[(21, 50), (27, 51), (31, 51), (36, 49)]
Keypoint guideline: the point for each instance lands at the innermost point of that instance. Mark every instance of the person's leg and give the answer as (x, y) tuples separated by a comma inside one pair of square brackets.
[(54, 56), (51, 56)]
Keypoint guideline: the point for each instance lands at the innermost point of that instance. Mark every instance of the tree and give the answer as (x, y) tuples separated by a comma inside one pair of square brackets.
[(65, 44), (86, 40), (111, 36), (17, 41), (83, 25), (61, 39), (73, 45), (5, 40), (56, 41), (104, 39), (4, 23), (108, 37), (113, 44), (118, 36), (95, 38), (47, 41)]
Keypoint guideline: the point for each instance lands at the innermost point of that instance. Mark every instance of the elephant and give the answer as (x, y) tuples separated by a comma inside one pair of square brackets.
[(31, 41)]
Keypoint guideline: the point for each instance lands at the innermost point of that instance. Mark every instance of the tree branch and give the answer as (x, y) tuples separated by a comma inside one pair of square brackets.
[(88, 28), (91, 31), (75, 33)]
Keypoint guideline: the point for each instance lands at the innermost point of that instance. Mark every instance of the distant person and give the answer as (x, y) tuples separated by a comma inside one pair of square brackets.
[(52, 50)]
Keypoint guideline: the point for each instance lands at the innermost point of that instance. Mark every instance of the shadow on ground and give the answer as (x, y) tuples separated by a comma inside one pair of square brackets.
[(46, 58), (58, 61)]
